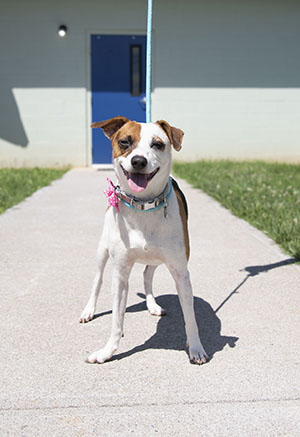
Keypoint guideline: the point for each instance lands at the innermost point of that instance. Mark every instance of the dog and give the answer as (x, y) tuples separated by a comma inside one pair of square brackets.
[(146, 223)]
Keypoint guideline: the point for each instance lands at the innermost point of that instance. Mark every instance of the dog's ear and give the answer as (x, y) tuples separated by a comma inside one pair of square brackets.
[(111, 126), (175, 135)]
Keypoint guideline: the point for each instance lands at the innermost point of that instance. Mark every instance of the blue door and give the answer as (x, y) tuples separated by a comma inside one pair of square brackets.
[(118, 84)]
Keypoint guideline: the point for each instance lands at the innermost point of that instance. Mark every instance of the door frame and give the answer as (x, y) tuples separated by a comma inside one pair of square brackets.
[(88, 62)]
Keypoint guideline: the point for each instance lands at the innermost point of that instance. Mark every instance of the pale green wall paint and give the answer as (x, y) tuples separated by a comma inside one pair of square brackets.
[(227, 73)]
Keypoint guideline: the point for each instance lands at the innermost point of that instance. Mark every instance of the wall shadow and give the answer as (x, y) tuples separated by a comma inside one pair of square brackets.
[(230, 44), (11, 125)]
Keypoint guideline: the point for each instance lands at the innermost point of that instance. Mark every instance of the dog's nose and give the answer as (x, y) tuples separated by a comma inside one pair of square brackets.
[(138, 162)]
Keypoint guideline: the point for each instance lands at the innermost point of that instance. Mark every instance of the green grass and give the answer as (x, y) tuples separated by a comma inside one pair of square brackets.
[(18, 183), (267, 195)]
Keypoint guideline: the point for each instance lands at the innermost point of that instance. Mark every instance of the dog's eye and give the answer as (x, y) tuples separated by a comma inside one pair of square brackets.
[(124, 144), (158, 145)]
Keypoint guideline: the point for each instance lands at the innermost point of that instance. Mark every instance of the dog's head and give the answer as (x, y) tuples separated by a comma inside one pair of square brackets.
[(141, 153)]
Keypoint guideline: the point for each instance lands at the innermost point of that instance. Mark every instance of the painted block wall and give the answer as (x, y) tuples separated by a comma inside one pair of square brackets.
[(227, 73), (45, 80)]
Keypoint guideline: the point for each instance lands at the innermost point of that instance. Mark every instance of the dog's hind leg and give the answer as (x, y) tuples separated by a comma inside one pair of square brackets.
[(119, 292), (89, 310), (152, 306)]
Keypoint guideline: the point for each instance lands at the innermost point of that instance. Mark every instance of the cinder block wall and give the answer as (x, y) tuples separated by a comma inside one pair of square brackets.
[(227, 73), (45, 80)]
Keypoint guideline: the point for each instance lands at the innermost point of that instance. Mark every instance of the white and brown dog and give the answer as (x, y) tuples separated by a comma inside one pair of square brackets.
[(148, 226)]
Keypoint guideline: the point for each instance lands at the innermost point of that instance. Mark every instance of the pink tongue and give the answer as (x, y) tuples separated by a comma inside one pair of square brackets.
[(137, 182)]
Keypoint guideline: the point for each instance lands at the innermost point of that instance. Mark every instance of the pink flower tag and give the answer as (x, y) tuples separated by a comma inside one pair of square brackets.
[(110, 193)]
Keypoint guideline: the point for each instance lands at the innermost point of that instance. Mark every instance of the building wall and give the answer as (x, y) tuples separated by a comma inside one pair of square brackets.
[(227, 73), (45, 79)]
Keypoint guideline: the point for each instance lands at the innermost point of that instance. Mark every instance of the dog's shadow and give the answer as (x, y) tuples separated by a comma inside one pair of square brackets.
[(170, 333)]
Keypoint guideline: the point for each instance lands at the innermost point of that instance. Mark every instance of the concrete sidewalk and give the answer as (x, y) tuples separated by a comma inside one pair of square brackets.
[(247, 299)]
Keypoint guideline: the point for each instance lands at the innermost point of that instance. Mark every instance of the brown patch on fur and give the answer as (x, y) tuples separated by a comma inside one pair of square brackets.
[(118, 129), (184, 216), (111, 126), (131, 130), (157, 138), (175, 135)]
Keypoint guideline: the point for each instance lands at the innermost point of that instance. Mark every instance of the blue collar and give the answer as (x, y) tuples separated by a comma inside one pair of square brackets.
[(152, 205)]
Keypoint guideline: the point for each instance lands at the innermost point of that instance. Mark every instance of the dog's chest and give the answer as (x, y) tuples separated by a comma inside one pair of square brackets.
[(145, 235)]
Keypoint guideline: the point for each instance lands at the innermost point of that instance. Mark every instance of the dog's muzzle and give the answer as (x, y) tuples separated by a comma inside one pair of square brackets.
[(138, 181), (139, 162)]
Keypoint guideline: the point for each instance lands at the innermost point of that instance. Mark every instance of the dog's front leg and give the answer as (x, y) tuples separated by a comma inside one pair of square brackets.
[(119, 293), (102, 257), (181, 276)]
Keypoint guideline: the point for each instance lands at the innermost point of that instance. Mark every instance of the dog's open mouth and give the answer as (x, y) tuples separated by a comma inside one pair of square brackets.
[(138, 181)]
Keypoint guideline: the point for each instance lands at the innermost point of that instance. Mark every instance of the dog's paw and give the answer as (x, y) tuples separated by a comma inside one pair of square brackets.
[(156, 310), (87, 315), (100, 356), (197, 355), (153, 307)]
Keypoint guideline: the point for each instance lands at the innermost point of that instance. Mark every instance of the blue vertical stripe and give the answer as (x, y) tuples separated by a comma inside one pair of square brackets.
[(149, 62)]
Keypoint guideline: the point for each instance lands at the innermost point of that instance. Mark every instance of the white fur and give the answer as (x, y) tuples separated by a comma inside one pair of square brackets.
[(155, 158), (145, 237)]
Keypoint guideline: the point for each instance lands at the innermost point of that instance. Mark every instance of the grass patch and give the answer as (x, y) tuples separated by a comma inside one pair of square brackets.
[(18, 183), (267, 195)]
